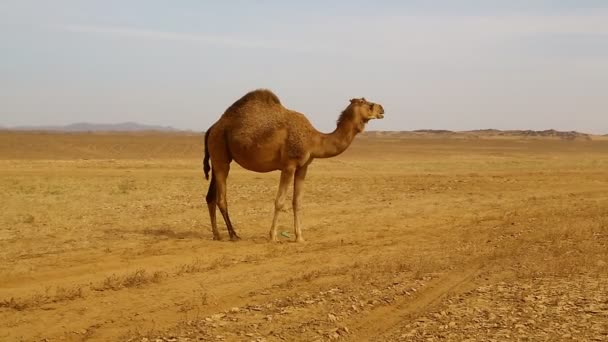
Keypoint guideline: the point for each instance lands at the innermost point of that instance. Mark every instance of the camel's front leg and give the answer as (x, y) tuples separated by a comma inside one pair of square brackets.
[(298, 184), (286, 177)]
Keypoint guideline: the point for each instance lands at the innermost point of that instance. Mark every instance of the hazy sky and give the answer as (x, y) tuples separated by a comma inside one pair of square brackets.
[(432, 64)]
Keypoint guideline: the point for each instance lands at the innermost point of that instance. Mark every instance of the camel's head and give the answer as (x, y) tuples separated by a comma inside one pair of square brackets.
[(366, 110)]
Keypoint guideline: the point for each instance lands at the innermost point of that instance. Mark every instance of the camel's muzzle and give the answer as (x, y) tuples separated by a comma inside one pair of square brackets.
[(381, 114)]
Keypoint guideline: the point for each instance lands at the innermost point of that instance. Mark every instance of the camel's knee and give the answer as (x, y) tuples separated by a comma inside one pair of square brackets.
[(279, 204), (222, 206), (222, 203)]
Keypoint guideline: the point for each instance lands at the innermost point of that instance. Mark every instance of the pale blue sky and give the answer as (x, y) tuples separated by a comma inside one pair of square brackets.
[(432, 64)]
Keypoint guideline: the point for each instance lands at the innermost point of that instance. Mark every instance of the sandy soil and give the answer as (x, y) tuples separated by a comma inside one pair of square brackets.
[(106, 237)]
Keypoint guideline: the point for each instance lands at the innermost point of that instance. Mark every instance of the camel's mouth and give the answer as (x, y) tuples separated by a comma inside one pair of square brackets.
[(381, 113)]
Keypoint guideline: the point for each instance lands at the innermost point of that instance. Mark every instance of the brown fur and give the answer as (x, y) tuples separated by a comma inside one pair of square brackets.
[(261, 135)]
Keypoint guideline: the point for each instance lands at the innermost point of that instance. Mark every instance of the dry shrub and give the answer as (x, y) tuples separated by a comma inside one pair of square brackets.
[(68, 293), (60, 294), (126, 185), (16, 304), (222, 263), (194, 267), (27, 219), (135, 279)]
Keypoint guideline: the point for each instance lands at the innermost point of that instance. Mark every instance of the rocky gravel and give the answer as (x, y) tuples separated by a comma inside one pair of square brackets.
[(538, 310), (318, 316), (541, 309)]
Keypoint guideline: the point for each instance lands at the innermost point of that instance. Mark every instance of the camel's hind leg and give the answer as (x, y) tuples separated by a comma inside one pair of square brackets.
[(220, 172), (212, 205)]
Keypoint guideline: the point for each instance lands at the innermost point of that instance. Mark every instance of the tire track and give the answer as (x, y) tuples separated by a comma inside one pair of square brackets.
[(384, 319)]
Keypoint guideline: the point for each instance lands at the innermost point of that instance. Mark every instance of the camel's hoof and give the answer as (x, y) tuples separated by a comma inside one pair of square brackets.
[(273, 239), (217, 238), (300, 240), (235, 238)]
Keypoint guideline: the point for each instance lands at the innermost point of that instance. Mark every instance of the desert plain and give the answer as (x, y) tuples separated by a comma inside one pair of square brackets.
[(410, 237)]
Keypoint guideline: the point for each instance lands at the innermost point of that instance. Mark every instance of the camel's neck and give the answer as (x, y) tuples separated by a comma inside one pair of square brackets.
[(331, 145)]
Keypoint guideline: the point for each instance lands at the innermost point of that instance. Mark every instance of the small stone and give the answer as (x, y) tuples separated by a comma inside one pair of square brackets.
[(332, 317), (452, 324), (234, 310), (218, 316)]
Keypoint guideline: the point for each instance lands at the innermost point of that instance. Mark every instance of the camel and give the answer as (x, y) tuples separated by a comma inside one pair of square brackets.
[(261, 135)]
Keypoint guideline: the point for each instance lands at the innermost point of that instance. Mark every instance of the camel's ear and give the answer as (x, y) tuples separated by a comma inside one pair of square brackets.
[(355, 100)]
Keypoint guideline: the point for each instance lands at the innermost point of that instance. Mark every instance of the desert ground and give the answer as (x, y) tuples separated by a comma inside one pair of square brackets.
[(106, 237)]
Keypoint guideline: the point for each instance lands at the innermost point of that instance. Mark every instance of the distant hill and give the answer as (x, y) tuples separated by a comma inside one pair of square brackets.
[(96, 127), (549, 133), (483, 133), (431, 133)]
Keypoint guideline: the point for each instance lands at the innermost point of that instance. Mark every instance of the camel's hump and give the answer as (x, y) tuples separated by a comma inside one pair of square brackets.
[(258, 95)]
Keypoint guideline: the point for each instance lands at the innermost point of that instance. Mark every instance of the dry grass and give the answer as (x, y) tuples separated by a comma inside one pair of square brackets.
[(137, 278), (88, 218), (195, 266), (126, 185), (61, 294), (57, 295)]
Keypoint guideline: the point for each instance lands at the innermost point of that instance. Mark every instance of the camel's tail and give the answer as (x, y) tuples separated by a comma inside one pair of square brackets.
[(206, 166)]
